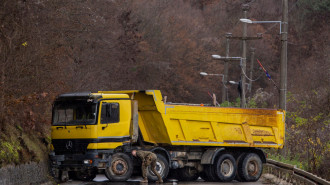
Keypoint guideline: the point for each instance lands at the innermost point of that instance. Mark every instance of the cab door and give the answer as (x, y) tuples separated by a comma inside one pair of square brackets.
[(113, 123)]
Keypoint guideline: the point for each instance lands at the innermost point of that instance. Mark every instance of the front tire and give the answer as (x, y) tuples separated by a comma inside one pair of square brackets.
[(162, 168), (225, 168), (121, 168), (85, 176), (250, 168)]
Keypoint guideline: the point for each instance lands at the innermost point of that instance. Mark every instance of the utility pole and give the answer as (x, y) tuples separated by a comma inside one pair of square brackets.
[(284, 55), (244, 39), (245, 8), (283, 63), (251, 68), (225, 76), (242, 59)]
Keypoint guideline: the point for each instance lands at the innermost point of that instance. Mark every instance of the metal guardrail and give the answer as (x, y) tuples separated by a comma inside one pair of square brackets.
[(292, 174)]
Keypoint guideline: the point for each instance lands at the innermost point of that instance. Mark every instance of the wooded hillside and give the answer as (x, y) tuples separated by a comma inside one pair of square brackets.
[(57, 46)]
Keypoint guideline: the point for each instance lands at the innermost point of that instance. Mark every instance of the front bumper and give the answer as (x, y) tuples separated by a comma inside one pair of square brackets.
[(74, 162)]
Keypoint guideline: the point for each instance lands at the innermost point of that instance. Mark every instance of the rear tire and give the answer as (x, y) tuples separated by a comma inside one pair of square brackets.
[(239, 162), (225, 168), (121, 168), (187, 174), (250, 168), (161, 166), (203, 175), (209, 172)]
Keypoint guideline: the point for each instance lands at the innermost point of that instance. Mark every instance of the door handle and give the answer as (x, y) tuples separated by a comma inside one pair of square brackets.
[(105, 126), (79, 127), (59, 128)]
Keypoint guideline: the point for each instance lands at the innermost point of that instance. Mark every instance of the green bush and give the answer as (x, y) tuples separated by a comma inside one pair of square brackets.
[(9, 152), (252, 103), (236, 103), (295, 161)]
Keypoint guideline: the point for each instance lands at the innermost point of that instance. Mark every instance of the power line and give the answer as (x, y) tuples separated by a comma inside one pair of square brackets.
[(249, 78)]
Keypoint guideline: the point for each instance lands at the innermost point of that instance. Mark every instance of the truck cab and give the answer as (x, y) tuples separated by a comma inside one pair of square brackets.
[(86, 129)]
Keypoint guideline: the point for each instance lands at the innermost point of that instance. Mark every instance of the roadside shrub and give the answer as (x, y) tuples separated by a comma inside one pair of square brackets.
[(9, 152)]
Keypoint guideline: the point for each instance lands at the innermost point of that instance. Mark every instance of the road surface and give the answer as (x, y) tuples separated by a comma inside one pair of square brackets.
[(102, 180)]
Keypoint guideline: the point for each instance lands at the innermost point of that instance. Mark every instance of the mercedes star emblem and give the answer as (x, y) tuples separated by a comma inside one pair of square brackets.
[(68, 145)]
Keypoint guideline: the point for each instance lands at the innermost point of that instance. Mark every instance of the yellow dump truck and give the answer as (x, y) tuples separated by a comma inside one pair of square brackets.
[(95, 133)]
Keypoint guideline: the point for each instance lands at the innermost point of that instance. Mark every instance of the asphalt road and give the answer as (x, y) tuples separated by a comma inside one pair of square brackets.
[(102, 180)]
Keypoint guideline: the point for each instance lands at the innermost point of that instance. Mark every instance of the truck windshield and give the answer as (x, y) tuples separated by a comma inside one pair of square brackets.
[(74, 113)]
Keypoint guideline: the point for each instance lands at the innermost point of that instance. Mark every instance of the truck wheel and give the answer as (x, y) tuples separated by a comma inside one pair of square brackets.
[(209, 172), (173, 174), (121, 167), (203, 176), (225, 168), (64, 176), (85, 176), (55, 173), (161, 166), (187, 174), (250, 168), (239, 161)]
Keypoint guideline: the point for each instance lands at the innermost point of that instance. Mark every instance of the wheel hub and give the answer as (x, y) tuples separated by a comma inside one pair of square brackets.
[(119, 167), (159, 168), (253, 168), (227, 168)]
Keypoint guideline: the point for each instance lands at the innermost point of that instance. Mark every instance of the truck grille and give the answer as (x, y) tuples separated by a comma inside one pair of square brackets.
[(70, 146)]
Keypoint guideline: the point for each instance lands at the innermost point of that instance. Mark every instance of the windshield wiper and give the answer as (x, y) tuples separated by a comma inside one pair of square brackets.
[(65, 118), (85, 123)]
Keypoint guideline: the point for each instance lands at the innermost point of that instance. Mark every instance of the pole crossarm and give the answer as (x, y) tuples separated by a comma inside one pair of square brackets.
[(247, 38), (244, 20), (266, 21), (230, 58), (214, 74)]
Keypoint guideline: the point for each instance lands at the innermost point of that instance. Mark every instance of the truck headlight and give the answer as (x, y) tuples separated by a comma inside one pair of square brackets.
[(87, 161)]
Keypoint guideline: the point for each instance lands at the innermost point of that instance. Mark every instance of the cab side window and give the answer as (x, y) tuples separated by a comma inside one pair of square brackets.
[(110, 113)]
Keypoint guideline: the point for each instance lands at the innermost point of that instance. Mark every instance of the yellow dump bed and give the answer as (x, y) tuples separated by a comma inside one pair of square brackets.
[(171, 124)]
